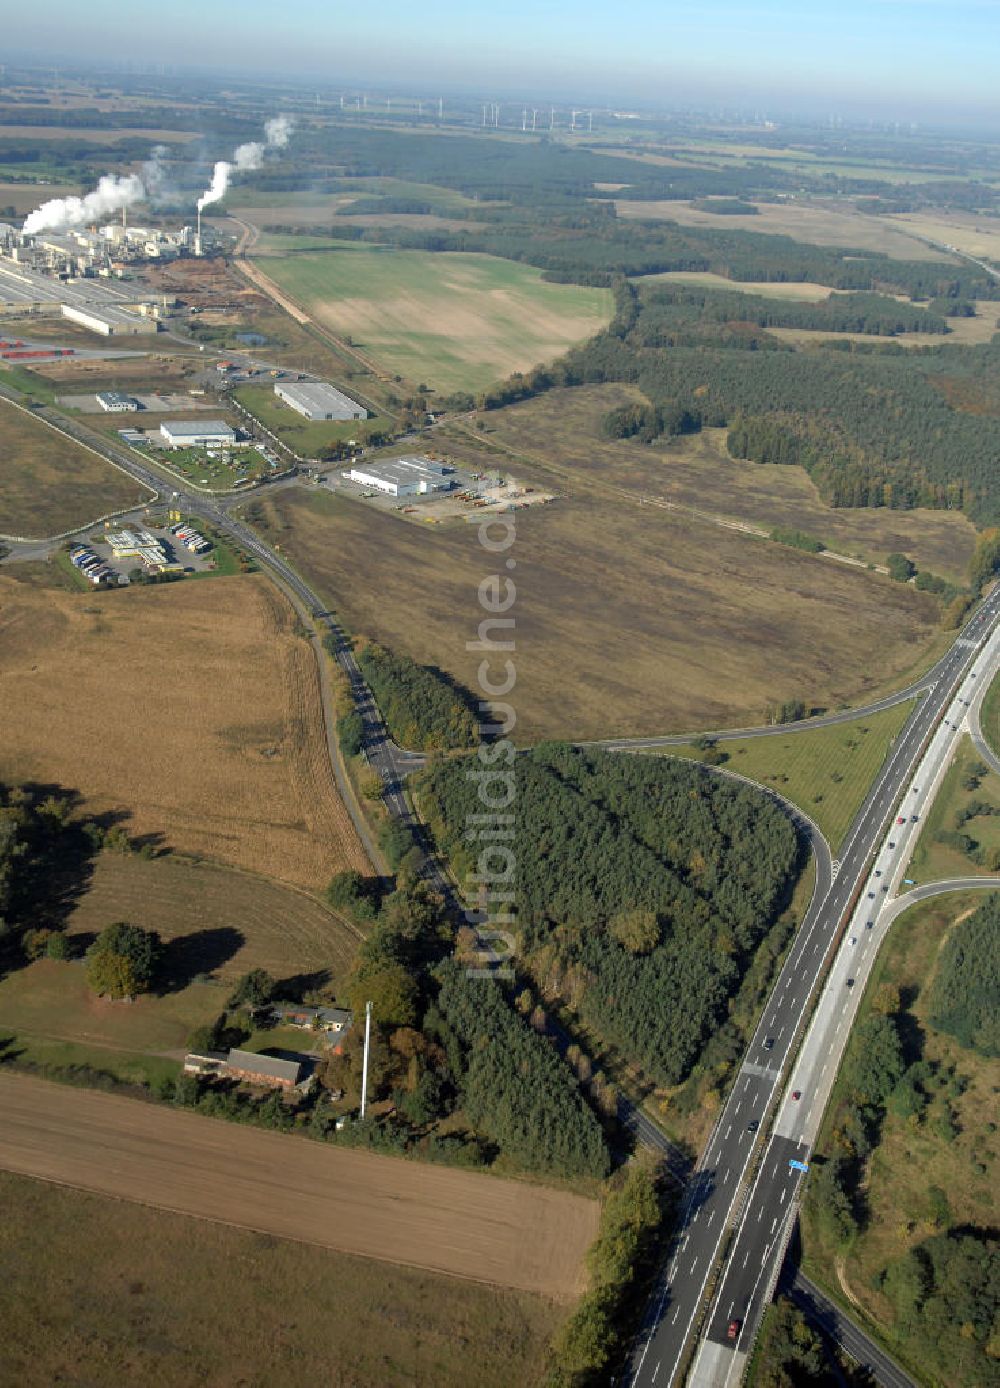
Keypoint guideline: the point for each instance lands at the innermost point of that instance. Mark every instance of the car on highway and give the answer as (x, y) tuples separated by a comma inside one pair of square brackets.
[(733, 1330), (901, 820), (850, 983), (753, 1125), (769, 1044), (854, 939), (892, 843), (796, 1093), (869, 925)]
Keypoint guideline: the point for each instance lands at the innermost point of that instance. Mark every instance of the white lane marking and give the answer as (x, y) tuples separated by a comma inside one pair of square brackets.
[(657, 1369), (774, 1222), (783, 1194), (728, 1130), (710, 1218)]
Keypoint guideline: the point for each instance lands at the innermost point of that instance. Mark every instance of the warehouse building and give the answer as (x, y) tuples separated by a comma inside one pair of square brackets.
[(405, 476), (197, 433), (317, 400), (109, 320), (115, 402)]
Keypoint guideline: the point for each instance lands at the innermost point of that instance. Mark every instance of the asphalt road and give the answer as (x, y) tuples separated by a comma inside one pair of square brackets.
[(743, 1182), (828, 1316)]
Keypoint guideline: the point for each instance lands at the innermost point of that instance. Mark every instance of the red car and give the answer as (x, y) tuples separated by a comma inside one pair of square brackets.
[(796, 1093), (734, 1329), (900, 820)]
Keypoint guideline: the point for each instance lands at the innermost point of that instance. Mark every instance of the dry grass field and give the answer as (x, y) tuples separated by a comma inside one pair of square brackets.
[(193, 710), (94, 135), (99, 1291), (629, 619), (467, 1224), (559, 433), (979, 236), (780, 289), (817, 223), (49, 484), (283, 930), (456, 322), (25, 197)]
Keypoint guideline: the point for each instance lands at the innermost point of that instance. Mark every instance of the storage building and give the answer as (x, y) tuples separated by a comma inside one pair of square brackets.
[(266, 1070), (109, 321), (317, 400), (197, 433), (115, 402), (405, 476)]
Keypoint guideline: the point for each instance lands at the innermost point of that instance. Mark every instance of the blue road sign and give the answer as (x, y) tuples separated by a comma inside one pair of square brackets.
[(797, 1165)]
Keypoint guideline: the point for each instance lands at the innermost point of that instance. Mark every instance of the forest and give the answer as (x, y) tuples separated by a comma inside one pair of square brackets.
[(424, 710), (643, 885), (965, 996)]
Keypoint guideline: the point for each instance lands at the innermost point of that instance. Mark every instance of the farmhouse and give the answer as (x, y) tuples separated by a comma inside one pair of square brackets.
[(405, 476), (293, 1014), (317, 400), (265, 1070), (197, 433)]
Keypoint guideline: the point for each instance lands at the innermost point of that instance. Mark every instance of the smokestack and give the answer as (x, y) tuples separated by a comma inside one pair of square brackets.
[(197, 238)]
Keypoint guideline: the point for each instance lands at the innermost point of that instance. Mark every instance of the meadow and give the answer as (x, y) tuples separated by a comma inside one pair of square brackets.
[(827, 772), (452, 321), (558, 437), (191, 712), (49, 483), (100, 1290), (934, 860), (609, 597)]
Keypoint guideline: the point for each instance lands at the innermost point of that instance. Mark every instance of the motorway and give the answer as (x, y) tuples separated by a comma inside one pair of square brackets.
[(741, 1148)]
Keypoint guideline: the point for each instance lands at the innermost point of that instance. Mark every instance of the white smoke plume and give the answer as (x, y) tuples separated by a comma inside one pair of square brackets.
[(277, 132), (154, 175), (111, 195)]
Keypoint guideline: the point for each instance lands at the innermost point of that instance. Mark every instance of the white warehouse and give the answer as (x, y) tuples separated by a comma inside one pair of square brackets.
[(405, 476), (197, 433), (317, 400)]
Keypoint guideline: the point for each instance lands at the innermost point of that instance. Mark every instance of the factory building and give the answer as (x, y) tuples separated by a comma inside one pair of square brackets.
[(109, 320), (405, 476), (317, 400), (197, 433), (115, 402)]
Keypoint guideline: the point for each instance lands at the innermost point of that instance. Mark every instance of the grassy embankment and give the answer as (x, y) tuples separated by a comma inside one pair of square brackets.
[(969, 788)]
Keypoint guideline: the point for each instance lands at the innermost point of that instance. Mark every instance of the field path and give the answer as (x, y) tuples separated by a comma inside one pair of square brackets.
[(458, 1222)]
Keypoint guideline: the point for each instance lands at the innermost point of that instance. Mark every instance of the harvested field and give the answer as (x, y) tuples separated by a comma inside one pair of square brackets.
[(192, 709), (780, 289), (97, 1290), (560, 431), (816, 223), (49, 484), (609, 596), (283, 930), (25, 197), (454, 321), (466, 1224), (94, 135)]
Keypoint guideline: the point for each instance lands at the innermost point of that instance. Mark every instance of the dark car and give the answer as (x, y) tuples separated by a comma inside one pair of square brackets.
[(769, 1044), (796, 1093), (850, 983)]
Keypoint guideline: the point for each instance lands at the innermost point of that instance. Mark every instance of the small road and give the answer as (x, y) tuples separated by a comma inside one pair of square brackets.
[(737, 1218), (843, 1331)]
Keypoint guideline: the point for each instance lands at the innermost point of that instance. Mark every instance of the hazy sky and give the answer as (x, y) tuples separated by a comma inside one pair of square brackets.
[(905, 55)]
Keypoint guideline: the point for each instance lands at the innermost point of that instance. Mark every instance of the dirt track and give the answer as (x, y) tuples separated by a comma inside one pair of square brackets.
[(448, 1221)]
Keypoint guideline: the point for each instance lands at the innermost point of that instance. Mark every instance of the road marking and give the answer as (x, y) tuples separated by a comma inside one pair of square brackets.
[(657, 1369), (710, 1218), (783, 1194), (774, 1222), (728, 1130)]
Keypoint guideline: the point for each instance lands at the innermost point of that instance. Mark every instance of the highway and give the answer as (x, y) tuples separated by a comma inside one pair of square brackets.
[(828, 1316), (742, 1181)]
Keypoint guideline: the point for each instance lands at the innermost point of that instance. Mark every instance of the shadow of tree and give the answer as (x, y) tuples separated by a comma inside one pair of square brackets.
[(187, 956), (296, 986)]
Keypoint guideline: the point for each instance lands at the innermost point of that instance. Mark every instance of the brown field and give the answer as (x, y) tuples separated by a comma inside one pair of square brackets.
[(49, 484), (965, 332), (978, 236), (97, 136), (561, 431), (25, 197), (609, 596), (283, 929), (192, 709), (813, 222), (462, 1223), (99, 1291)]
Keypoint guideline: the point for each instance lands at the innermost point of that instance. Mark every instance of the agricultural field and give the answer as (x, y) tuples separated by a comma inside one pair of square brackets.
[(978, 236), (816, 223), (49, 484), (827, 772), (608, 597), (455, 322), (558, 435), (951, 844), (190, 711), (927, 1174), (510, 1234), (280, 929), (708, 279), (254, 1309), (24, 197)]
